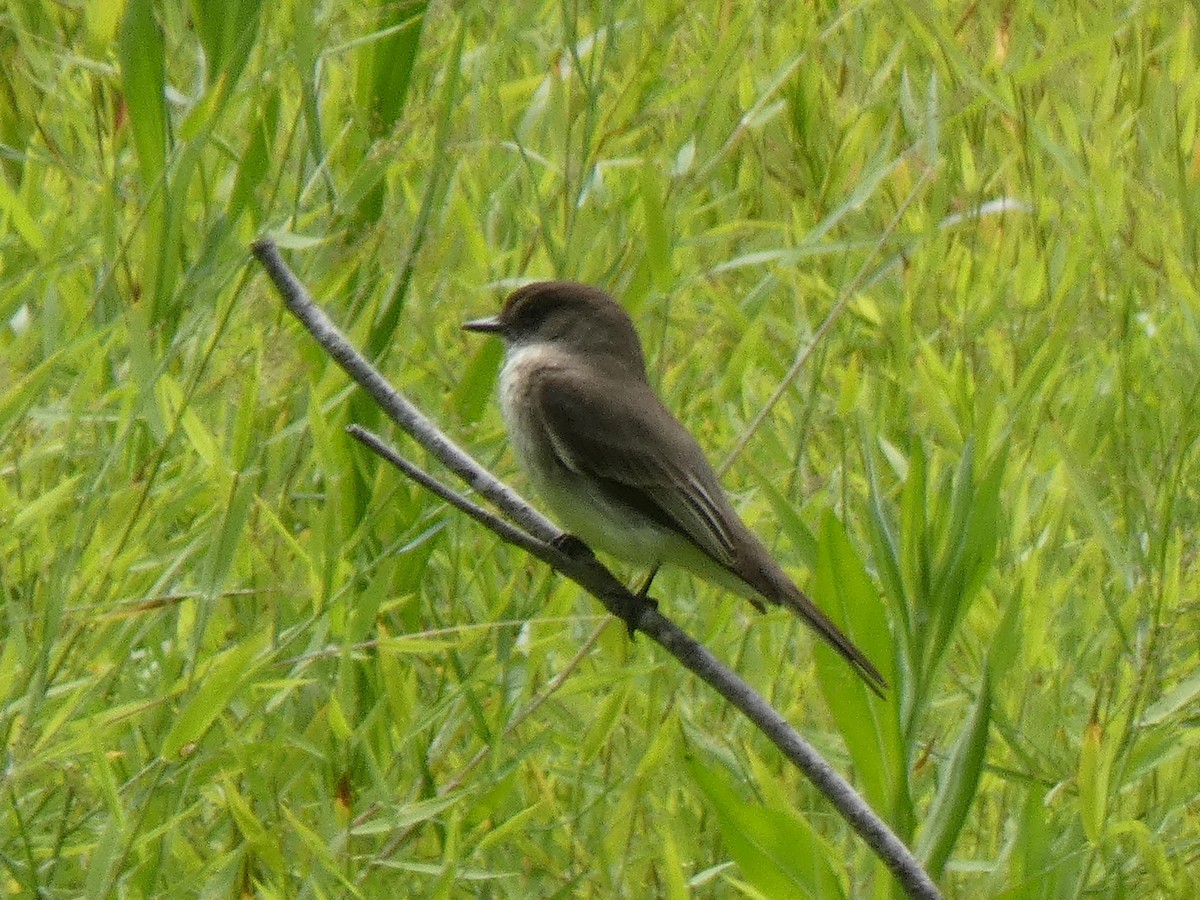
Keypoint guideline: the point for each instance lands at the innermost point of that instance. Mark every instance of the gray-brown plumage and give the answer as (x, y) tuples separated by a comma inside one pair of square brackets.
[(614, 466)]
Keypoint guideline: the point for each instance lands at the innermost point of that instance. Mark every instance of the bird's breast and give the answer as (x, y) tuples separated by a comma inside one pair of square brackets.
[(523, 368), (577, 503)]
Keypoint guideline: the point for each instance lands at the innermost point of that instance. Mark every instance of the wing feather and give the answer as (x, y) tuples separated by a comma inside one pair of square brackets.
[(639, 454)]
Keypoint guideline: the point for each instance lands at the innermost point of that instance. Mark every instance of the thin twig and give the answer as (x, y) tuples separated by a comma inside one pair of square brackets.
[(586, 571), (488, 520)]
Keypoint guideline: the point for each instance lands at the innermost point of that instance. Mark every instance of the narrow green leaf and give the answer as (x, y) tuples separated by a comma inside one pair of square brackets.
[(513, 827), (658, 241), (255, 163), (1006, 642), (603, 724), (789, 519), (1092, 777), (1157, 854), (777, 851), (307, 52), (947, 815), (47, 505), (102, 862), (1089, 500), (1183, 696), (241, 442), (877, 170), (263, 840), (165, 306), (882, 532), (914, 551), (221, 555), (870, 726), (413, 645), (145, 371), (386, 63), (101, 18), (932, 121), (319, 847), (21, 220), (227, 29), (384, 76), (474, 389), (408, 814), (220, 681), (946, 575), (384, 327), (972, 536), (144, 79)]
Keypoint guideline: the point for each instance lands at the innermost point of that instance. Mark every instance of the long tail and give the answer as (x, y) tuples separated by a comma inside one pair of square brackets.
[(778, 588)]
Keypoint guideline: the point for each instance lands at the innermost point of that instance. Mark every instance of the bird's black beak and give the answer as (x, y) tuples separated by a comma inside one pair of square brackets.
[(484, 326)]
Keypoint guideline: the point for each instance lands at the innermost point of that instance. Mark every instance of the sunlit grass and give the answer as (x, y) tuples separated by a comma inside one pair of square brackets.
[(240, 655)]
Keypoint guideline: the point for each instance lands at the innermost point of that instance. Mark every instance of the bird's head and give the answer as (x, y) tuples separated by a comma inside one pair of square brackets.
[(574, 318)]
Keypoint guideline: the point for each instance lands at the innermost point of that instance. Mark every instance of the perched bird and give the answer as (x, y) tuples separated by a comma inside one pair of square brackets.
[(614, 466)]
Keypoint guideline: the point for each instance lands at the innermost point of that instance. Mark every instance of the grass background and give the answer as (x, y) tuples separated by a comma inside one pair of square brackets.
[(241, 656)]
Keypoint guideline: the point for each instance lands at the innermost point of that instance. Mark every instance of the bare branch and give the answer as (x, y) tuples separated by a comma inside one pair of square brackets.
[(542, 540)]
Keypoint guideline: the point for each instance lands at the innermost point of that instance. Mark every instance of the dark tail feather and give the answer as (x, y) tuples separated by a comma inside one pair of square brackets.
[(787, 594), (802, 606)]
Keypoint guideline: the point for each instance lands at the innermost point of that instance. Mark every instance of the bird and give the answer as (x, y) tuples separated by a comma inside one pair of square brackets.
[(614, 466)]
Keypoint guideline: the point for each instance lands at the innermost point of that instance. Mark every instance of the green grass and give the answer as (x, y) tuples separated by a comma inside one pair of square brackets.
[(241, 655)]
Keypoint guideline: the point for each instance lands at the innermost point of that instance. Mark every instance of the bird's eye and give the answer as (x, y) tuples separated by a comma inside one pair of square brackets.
[(529, 315)]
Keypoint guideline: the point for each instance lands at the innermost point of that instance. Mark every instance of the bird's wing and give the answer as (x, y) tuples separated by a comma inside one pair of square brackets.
[(640, 455)]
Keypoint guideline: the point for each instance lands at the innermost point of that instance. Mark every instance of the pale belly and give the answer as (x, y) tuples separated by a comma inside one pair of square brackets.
[(578, 505), (573, 502)]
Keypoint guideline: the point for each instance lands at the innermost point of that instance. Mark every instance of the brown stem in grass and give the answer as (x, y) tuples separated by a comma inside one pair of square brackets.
[(540, 537)]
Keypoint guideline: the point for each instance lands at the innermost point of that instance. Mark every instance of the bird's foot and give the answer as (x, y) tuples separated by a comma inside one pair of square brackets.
[(630, 612), (633, 610), (645, 589), (572, 546)]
